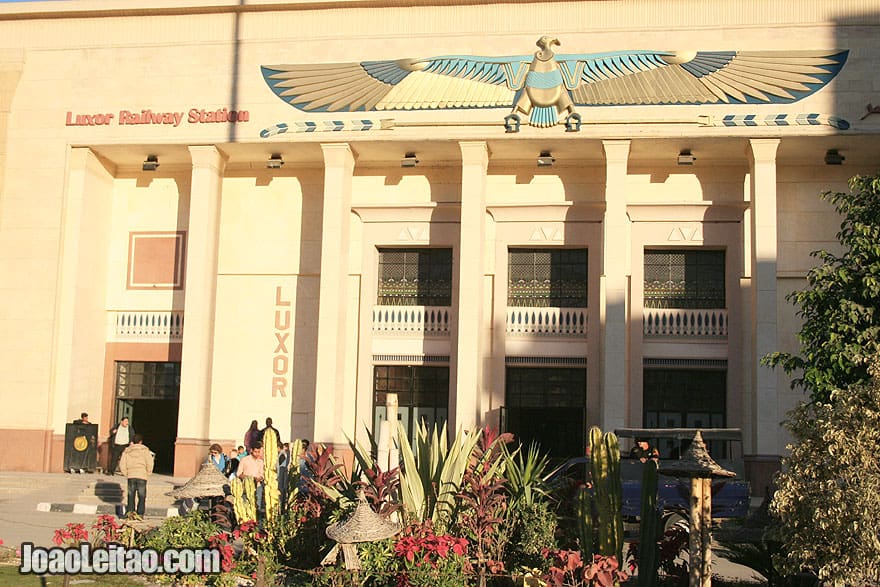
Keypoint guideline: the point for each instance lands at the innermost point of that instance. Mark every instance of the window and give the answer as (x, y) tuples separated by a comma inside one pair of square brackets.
[(687, 279), (547, 406), (139, 380), (422, 395), (685, 398), (415, 277), (544, 278)]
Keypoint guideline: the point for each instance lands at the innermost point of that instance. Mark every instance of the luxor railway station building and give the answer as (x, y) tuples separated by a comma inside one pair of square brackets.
[(214, 211)]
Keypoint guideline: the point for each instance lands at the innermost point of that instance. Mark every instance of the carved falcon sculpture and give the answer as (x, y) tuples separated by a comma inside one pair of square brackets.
[(544, 84)]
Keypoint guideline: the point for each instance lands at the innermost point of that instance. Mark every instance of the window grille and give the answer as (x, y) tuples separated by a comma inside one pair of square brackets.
[(141, 380), (542, 278), (686, 279), (415, 277), (547, 405)]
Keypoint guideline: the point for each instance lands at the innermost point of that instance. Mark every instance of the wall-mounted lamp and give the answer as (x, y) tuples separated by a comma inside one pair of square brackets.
[(409, 160), (686, 158), (545, 159), (275, 161), (151, 163), (832, 157)]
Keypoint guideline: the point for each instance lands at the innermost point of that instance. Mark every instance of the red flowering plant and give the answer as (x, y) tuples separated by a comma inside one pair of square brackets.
[(567, 569), (425, 558), (104, 531), (72, 534), (222, 541)]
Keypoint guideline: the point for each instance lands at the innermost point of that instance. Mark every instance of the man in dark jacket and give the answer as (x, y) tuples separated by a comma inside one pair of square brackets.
[(267, 429)]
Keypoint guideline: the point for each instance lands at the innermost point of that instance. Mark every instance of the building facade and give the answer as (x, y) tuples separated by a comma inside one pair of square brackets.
[(418, 202)]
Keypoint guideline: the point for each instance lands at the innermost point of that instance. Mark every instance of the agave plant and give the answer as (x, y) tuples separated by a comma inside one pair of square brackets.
[(431, 474), (525, 475)]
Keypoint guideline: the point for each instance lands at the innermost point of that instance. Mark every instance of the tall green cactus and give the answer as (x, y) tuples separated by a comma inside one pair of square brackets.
[(244, 499), (585, 528), (607, 492), (649, 527), (271, 493)]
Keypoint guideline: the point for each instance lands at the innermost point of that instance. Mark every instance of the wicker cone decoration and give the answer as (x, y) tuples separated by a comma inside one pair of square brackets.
[(208, 482), (696, 462), (362, 525)]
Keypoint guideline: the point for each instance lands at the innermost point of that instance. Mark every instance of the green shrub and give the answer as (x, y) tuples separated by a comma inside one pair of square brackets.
[(533, 529), (189, 531)]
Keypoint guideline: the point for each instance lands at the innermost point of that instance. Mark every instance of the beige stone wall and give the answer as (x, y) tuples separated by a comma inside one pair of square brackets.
[(70, 196)]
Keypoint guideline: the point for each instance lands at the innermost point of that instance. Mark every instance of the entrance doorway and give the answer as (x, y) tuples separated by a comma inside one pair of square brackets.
[(148, 394)]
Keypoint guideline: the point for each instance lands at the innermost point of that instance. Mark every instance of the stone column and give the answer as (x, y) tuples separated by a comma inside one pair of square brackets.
[(339, 161), (467, 378), (613, 311), (77, 374), (197, 354), (765, 404)]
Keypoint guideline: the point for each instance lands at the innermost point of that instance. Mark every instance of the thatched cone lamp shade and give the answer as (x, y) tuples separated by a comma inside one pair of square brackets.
[(208, 482), (361, 525), (697, 465)]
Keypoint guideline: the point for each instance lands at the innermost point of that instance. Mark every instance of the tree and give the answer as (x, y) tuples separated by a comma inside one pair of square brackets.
[(828, 496), (839, 307)]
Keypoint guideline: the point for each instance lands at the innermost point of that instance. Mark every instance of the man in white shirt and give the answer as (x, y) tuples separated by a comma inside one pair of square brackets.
[(120, 438)]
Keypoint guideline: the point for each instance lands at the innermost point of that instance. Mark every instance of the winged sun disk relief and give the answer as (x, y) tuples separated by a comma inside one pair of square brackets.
[(545, 84)]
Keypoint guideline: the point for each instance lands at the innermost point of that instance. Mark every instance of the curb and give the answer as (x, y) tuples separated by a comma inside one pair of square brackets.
[(95, 509)]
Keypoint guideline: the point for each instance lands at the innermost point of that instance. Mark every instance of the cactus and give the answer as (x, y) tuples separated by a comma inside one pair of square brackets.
[(607, 491), (649, 527), (584, 515), (244, 499), (271, 493)]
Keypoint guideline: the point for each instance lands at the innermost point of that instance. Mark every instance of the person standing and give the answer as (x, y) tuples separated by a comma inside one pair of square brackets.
[(120, 438), (253, 466), (273, 430), (251, 436), (283, 472), (217, 458), (136, 464)]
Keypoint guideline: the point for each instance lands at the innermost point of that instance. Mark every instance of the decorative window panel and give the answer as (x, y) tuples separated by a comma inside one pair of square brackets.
[(547, 406), (544, 278), (156, 260), (147, 380), (686, 279), (415, 277)]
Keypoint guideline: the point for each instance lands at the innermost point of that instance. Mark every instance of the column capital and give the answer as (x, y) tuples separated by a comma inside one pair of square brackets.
[(338, 154), (616, 150), (763, 150), (207, 156), (474, 153)]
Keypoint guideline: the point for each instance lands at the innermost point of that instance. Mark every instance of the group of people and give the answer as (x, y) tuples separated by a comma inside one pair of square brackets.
[(132, 459), (248, 460)]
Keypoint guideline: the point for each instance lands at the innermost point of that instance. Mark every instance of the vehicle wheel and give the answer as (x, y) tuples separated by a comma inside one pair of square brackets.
[(673, 519)]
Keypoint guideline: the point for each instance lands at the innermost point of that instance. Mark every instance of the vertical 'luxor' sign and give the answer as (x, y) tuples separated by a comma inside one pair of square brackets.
[(281, 356)]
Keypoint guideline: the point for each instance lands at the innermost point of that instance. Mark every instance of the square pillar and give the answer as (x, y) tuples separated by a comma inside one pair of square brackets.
[(339, 161), (614, 288), (765, 402), (197, 355), (468, 348)]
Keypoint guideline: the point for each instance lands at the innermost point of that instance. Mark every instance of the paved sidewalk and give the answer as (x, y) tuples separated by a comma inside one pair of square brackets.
[(34, 505)]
